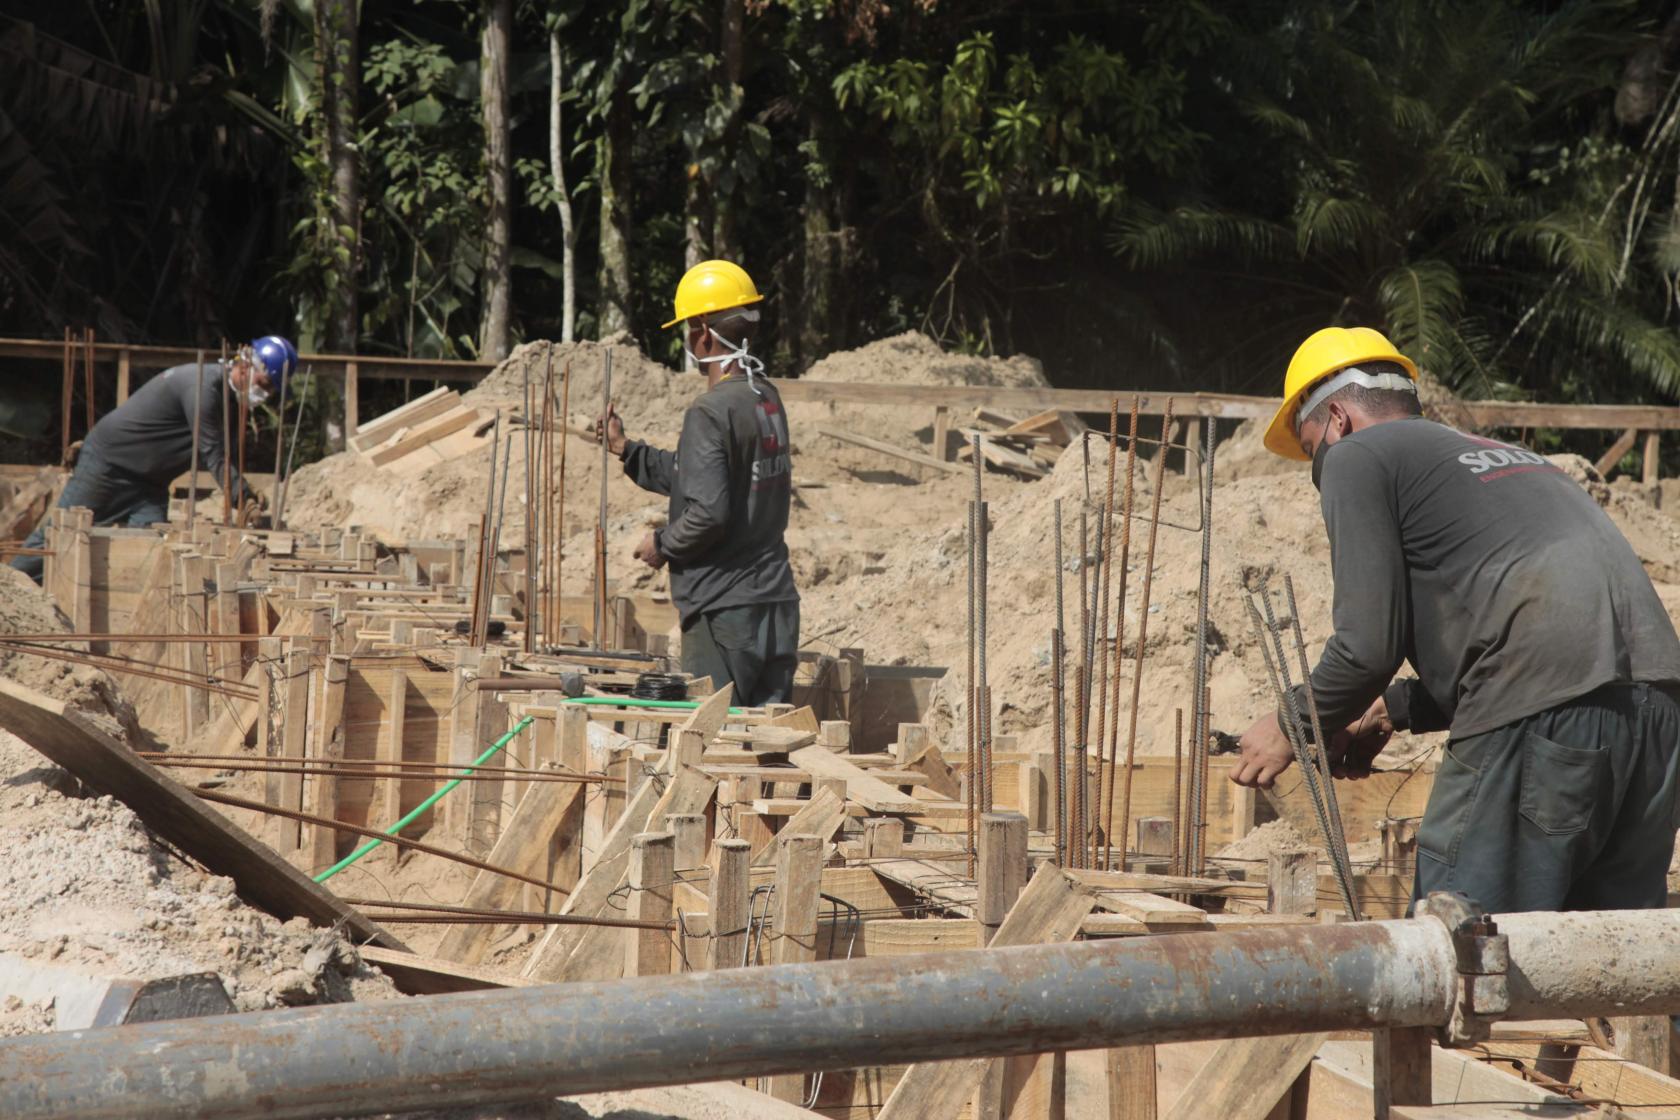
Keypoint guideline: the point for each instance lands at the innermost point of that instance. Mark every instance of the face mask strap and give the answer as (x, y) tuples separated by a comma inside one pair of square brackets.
[(750, 365)]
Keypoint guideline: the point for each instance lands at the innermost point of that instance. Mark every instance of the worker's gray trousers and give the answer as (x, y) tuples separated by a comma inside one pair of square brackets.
[(1572, 808), (756, 647), (115, 497)]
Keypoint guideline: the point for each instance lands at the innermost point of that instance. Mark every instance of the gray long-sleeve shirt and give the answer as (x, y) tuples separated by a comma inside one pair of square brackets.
[(730, 481), (1502, 582), (150, 436)]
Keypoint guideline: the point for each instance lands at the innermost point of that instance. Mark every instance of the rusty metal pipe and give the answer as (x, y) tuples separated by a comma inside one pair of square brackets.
[(485, 1047)]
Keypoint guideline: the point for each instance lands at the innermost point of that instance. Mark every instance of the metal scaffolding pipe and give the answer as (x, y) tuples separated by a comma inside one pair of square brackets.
[(482, 1048), (527, 1043)]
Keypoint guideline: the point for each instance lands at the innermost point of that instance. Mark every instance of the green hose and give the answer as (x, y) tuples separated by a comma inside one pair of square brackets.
[(409, 818), (632, 702)]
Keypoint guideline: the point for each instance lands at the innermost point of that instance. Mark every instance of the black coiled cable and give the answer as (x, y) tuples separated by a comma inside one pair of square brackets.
[(660, 686)]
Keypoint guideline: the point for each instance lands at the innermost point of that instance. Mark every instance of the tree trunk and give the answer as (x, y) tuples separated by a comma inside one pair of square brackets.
[(614, 171), (1645, 78), (562, 196), (726, 242), (820, 259), (338, 65), (498, 169)]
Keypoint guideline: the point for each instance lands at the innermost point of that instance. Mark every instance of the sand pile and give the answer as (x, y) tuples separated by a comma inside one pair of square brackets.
[(27, 609), (86, 885)]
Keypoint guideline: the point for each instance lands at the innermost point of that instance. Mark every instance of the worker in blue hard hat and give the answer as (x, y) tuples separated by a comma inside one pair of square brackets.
[(128, 460)]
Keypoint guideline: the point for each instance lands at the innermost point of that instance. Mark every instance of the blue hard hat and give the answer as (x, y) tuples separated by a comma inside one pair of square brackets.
[(276, 355)]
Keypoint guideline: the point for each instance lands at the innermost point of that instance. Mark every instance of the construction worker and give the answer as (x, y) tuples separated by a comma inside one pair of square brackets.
[(1536, 635), (730, 481), (128, 460)]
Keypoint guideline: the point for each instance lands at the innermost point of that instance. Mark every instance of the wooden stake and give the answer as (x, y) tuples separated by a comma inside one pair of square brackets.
[(1292, 883), (329, 750), (728, 901), (794, 925), (690, 832), (647, 952)]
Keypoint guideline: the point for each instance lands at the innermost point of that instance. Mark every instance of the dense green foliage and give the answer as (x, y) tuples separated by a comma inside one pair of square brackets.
[(1156, 192)]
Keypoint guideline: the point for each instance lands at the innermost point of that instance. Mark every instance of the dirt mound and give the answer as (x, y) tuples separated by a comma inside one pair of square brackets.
[(27, 609), (912, 358), (87, 885)]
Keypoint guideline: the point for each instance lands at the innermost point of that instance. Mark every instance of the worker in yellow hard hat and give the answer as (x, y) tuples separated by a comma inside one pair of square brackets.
[(730, 482), (1538, 641)]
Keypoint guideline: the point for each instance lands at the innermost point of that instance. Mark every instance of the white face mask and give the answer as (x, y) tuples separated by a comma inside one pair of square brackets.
[(255, 395), (751, 366)]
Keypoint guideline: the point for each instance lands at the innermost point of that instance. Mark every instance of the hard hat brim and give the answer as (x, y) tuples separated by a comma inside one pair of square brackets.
[(1282, 440), (709, 311)]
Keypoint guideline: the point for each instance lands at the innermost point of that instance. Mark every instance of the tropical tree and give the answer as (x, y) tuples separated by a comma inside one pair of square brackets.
[(1439, 170)]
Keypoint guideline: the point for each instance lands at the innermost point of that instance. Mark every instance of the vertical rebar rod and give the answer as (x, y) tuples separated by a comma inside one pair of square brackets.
[(1081, 777), (1080, 683), (985, 684), (1199, 725), (1117, 652), (279, 449), (87, 376), (1105, 581), (1142, 634), (227, 462), (67, 397), (198, 422), (529, 641), (1178, 816), (560, 497), (1057, 689), (971, 758), (600, 610), (244, 421)]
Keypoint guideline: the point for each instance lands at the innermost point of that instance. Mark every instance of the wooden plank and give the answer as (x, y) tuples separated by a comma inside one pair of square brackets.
[(171, 811), (1246, 1077), (1401, 1068), (390, 752), (429, 976), (652, 874), (704, 1101), (708, 719), (1049, 910), (1624, 443), (794, 926), (821, 817), (940, 882), (1652, 468), (727, 903), (425, 434), (523, 846), (1151, 908), (861, 787), (381, 428), (1130, 1072), (886, 448), (768, 737), (328, 749)]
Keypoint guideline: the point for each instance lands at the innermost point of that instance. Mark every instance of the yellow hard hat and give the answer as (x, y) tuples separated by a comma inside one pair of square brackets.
[(1323, 353), (713, 286)]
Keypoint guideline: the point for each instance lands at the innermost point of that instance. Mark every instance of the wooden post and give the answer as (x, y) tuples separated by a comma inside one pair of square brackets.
[(270, 706), (1399, 841), (1154, 844), (1644, 1039), (883, 838), (194, 571), (463, 732), (1653, 458), (123, 357), (912, 741), (1292, 883), (1624, 443), (730, 891), (351, 394), (388, 794), (942, 433), (1243, 808), (647, 952), (690, 832), (484, 817), (328, 751), (81, 571), (1002, 845), (835, 735), (1400, 1068), (227, 620), (850, 674), (836, 786), (1130, 1073), (294, 741), (1192, 441), (794, 926)]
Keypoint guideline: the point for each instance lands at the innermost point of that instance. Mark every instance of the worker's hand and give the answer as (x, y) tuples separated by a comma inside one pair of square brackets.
[(648, 551), (1353, 749), (610, 427), (1266, 753)]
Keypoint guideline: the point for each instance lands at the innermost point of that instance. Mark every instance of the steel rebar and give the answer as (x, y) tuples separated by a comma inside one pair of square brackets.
[(600, 604), (1173, 867), (1109, 750), (1199, 724), (560, 503), (198, 421), (1142, 637), (971, 794)]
